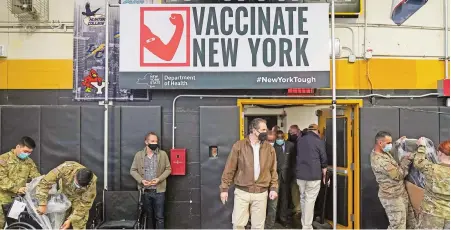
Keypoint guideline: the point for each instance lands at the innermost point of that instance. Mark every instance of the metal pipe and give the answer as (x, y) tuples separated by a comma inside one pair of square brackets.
[(342, 25), (34, 32), (365, 13), (174, 101), (106, 102), (352, 38), (334, 121), (446, 38), (407, 56), (375, 25), (37, 22), (37, 27)]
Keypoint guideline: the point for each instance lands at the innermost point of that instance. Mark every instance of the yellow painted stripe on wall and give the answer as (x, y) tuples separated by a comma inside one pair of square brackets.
[(383, 73), (390, 74), (36, 74)]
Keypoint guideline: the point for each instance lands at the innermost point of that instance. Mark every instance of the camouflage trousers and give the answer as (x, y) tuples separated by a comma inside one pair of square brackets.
[(400, 212), (427, 221), (3, 200)]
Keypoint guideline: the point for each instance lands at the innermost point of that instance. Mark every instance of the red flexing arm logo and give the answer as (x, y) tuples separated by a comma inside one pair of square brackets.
[(154, 44)]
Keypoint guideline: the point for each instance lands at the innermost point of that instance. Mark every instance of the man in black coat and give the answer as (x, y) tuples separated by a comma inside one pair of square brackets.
[(284, 150), (293, 134), (311, 168)]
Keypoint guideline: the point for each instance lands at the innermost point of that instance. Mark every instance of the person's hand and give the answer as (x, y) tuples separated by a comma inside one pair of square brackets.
[(155, 181), (421, 141), (42, 209), (145, 183), (272, 195), (224, 197), (324, 175), (400, 139), (409, 156), (21, 190), (65, 225)]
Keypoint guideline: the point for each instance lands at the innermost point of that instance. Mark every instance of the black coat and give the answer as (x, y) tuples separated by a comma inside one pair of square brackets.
[(293, 140), (284, 161), (311, 157)]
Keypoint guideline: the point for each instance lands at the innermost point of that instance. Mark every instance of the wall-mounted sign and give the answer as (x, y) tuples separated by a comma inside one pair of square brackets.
[(89, 53), (221, 46)]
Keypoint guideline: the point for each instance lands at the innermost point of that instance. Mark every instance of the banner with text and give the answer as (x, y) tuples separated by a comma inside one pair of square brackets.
[(89, 52), (222, 46)]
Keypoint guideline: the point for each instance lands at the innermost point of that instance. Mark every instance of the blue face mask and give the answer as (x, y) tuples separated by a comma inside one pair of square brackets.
[(23, 156), (280, 141), (387, 148)]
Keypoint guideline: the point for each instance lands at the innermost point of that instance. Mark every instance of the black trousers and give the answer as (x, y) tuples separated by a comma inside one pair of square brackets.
[(284, 200), (154, 207), (280, 206)]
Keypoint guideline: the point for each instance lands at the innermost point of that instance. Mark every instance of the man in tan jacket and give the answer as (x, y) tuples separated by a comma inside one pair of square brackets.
[(150, 169), (252, 167)]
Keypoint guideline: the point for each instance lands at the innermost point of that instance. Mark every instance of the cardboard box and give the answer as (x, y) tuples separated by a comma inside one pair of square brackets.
[(416, 195)]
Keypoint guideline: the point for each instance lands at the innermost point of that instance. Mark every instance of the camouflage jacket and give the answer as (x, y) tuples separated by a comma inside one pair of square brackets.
[(436, 194), (389, 174), (14, 173), (81, 199)]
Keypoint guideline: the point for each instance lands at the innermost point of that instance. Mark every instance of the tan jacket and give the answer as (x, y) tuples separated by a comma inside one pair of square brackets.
[(239, 168), (163, 169)]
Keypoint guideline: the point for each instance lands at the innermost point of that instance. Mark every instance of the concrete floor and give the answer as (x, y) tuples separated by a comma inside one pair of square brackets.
[(294, 223)]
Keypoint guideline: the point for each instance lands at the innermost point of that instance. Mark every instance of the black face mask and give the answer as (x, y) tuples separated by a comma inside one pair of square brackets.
[(292, 137), (153, 147), (262, 137)]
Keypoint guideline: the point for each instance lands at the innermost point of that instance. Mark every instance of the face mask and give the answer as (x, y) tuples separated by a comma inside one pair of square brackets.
[(280, 141), (262, 136), (292, 137), (387, 148), (153, 147), (23, 156), (272, 143)]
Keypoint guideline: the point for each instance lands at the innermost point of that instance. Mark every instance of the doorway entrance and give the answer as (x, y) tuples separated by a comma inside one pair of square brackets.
[(348, 156)]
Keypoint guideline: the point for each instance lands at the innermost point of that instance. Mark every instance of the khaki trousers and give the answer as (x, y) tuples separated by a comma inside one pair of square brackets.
[(309, 191), (296, 197), (246, 204)]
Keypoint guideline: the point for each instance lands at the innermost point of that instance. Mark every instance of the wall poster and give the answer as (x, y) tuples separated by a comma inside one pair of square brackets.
[(225, 46), (89, 51)]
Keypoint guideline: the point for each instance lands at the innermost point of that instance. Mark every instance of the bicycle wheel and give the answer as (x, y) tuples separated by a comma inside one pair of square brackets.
[(21, 225)]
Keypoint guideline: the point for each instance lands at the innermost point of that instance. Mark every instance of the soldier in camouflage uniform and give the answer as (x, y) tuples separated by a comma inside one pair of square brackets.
[(79, 185), (435, 206), (390, 176), (16, 168)]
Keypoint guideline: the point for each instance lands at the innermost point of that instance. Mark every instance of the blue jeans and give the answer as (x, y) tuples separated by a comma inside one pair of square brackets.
[(154, 207)]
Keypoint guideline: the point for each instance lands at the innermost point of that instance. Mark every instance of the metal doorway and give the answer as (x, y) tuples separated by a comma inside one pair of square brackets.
[(349, 123)]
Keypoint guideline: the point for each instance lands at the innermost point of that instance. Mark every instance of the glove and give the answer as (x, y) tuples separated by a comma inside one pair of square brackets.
[(421, 141)]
